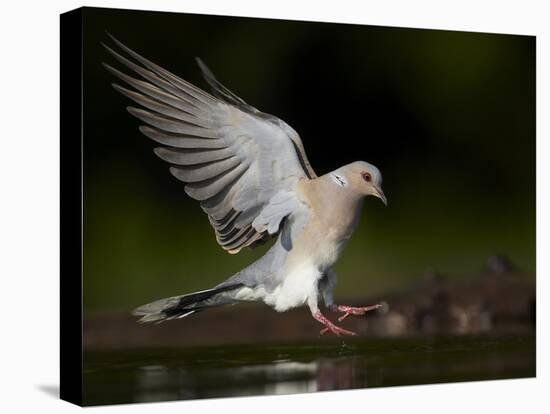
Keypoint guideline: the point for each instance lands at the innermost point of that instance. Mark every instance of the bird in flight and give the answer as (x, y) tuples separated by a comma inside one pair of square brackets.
[(250, 174)]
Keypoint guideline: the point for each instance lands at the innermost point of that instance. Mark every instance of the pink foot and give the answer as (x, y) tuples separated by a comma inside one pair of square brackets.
[(350, 310), (329, 326)]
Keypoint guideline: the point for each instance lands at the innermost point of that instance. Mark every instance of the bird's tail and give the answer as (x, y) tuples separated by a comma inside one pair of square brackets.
[(181, 306)]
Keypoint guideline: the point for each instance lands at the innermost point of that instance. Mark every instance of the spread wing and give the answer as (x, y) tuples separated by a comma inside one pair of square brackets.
[(239, 163)]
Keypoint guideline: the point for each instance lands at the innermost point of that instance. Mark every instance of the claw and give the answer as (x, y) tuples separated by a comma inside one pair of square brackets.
[(359, 311), (341, 318), (330, 327)]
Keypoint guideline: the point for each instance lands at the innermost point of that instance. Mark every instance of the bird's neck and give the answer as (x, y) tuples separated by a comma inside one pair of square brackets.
[(332, 202)]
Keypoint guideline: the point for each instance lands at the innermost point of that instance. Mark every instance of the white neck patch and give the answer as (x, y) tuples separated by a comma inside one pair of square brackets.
[(338, 179)]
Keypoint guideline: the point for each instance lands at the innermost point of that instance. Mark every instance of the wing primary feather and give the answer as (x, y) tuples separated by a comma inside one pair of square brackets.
[(221, 204), (207, 189), (226, 219), (161, 108), (223, 228), (192, 157), (172, 125), (242, 241), (160, 82), (181, 141), (176, 81), (233, 236), (256, 239), (218, 88), (223, 236), (200, 175), (162, 95), (246, 218)]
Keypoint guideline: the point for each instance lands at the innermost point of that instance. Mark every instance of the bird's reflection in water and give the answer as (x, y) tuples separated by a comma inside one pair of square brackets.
[(158, 383), (341, 373)]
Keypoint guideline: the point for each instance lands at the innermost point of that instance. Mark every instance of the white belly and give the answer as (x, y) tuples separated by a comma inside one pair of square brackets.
[(294, 290)]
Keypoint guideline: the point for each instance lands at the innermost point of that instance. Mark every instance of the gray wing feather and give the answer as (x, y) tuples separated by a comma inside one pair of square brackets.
[(209, 188), (220, 90), (195, 104), (225, 94), (163, 109), (173, 125), (281, 205), (179, 141), (232, 158), (161, 76), (202, 173), (193, 156), (169, 97)]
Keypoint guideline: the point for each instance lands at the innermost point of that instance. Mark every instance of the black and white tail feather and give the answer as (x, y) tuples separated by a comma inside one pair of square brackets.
[(177, 307)]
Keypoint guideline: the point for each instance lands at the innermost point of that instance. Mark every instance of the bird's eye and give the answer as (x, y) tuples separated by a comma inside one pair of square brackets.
[(366, 176)]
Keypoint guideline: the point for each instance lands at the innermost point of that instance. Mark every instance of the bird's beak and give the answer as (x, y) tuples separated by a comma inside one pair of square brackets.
[(380, 194)]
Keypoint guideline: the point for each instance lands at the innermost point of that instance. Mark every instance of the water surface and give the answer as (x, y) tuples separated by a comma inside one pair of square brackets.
[(319, 365)]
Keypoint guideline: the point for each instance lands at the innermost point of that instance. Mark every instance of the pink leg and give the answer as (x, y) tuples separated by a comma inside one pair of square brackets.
[(329, 326), (350, 310)]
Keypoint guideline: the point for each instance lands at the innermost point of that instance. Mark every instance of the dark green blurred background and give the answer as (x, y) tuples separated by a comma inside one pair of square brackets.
[(448, 117)]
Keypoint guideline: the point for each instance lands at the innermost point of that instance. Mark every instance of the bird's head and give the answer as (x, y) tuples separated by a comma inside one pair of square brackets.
[(362, 178)]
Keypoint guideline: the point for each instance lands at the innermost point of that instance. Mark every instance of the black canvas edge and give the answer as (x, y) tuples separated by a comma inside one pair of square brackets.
[(71, 206)]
